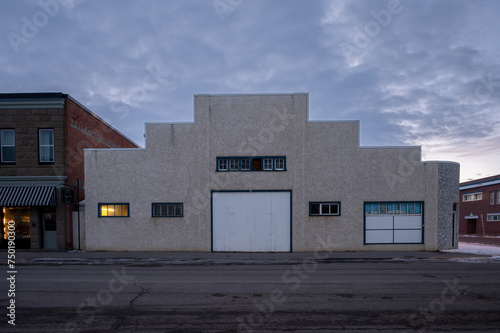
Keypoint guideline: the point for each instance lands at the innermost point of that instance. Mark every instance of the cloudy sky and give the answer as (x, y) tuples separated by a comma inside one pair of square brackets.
[(414, 72)]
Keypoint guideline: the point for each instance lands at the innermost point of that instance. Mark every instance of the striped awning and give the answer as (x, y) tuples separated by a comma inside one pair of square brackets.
[(25, 196)]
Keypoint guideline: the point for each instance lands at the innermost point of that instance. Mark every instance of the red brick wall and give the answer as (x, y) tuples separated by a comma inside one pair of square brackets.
[(85, 130), (480, 208)]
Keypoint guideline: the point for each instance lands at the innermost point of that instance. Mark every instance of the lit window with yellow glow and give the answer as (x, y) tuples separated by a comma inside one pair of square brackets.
[(114, 210)]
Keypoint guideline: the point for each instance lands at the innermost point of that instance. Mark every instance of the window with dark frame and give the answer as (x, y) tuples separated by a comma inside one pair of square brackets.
[(222, 165), (8, 146), (167, 210), (46, 145), (234, 164), (246, 163), (324, 208), (114, 210)]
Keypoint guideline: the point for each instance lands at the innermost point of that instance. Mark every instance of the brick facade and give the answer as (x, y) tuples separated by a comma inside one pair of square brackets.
[(474, 214), (75, 128)]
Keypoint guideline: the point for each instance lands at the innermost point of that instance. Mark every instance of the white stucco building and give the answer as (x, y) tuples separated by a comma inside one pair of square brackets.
[(252, 173)]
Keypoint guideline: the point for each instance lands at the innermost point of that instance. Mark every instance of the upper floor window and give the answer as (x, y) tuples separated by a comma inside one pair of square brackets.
[(8, 145), (46, 145), (472, 196), (492, 197), (498, 197), (257, 163)]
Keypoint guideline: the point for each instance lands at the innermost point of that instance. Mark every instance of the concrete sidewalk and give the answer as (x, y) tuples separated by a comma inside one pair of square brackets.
[(478, 239), (207, 258)]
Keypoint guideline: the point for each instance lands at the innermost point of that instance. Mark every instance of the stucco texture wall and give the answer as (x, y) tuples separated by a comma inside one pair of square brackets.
[(324, 162)]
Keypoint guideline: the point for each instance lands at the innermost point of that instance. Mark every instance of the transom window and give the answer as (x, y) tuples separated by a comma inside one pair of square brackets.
[(257, 163), (114, 210), (472, 196), (393, 208), (167, 210), (324, 208), (8, 145)]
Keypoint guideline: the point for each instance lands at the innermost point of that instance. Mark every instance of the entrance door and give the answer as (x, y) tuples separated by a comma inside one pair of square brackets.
[(471, 226), (257, 221), (49, 231)]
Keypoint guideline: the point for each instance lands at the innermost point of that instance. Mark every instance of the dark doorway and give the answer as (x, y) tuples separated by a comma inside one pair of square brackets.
[(471, 226)]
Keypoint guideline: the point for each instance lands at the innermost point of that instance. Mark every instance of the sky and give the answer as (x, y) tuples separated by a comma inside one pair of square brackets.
[(414, 72)]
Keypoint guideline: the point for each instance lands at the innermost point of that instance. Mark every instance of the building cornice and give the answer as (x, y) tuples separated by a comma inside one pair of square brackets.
[(57, 181)]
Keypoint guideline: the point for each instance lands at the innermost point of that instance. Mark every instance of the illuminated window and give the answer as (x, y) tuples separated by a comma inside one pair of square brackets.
[(114, 210), (167, 210)]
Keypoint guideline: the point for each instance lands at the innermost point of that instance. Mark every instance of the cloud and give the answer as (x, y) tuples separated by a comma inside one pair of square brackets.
[(414, 72)]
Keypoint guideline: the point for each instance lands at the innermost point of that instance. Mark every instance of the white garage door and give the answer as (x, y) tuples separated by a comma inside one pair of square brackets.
[(394, 223), (251, 221)]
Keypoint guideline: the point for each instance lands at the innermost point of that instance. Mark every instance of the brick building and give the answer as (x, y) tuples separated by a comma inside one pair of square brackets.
[(42, 137), (480, 206)]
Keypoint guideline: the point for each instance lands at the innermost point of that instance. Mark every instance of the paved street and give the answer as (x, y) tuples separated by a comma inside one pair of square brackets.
[(367, 296)]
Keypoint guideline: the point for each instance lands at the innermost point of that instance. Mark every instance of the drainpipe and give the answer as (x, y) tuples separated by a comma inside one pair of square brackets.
[(482, 223)]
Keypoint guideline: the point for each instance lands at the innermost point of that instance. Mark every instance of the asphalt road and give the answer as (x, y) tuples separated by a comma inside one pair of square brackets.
[(361, 297)]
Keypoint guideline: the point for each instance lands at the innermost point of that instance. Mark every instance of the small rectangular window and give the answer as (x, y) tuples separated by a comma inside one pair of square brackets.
[(472, 196), (8, 146), (46, 145), (493, 217), (245, 164), (498, 197), (324, 208), (492, 197), (268, 164), (222, 166), (167, 210), (279, 164), (234, 164), (113, 210)]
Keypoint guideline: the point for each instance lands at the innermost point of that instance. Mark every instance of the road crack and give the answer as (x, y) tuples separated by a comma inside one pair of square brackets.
[(121, 319)]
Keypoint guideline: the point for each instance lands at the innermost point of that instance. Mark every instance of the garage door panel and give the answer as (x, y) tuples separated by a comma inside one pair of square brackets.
[(407, 222), (251, 221), (407, 236), (379, 236), (379, 222)]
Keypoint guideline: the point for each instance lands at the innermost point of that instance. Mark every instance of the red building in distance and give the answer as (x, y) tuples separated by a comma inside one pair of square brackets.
[(480, 207), (42, 138)]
